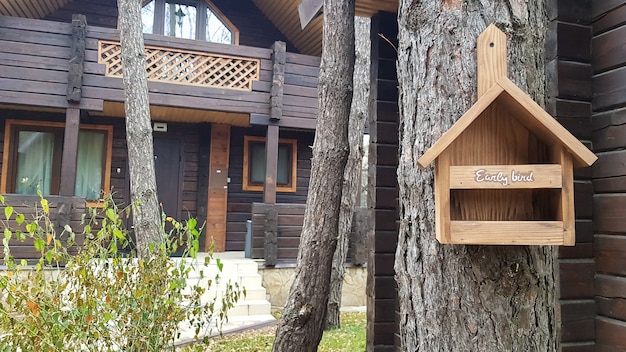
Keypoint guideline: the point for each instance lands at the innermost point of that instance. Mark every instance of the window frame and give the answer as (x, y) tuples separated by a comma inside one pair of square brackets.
[(249, 186), (158, 26), (12, 127)]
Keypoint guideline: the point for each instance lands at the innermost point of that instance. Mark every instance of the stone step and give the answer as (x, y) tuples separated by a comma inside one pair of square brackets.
[(250, 307), (229, 269), (254, 293)]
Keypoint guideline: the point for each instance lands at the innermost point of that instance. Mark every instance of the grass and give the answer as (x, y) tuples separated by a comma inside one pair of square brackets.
[(350, 338)]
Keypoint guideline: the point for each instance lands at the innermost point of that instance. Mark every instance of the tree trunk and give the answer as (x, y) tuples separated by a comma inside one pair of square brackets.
[(146, 212), (452, 297), (351, 179), (301, 326)]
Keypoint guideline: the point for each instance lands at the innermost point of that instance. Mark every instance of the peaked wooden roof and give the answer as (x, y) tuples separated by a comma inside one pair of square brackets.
[(526, 110)]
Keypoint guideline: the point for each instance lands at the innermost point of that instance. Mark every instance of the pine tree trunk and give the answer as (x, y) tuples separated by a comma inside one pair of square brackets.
[(351, 179), (146, 212), (304, 315), (452, 297)]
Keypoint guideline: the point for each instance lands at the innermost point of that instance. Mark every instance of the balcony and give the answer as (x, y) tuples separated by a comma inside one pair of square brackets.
[(188, 80)]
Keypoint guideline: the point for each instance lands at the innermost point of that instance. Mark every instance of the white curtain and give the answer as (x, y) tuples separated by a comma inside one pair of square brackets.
[(34, 162), (89, 164)]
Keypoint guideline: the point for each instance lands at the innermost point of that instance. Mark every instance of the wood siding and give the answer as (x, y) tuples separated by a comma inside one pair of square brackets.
[(609, 174), (240, 202), (383, 190), (568, 69)]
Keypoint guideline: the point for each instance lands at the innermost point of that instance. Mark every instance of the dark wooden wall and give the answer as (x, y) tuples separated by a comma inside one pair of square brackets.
[(568, 54), (383, 189), (609, 172), (240, 202)]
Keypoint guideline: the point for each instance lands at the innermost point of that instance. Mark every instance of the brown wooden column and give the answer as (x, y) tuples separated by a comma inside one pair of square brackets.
[(279, 58), (73, 96), (218, 187), (70, 152), (271, 164)]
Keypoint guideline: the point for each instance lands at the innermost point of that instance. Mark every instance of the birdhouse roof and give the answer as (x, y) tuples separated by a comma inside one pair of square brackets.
[(526, 111)]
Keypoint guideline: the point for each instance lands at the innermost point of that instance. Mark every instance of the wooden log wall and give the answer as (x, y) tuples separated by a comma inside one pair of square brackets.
[(34, 64), (382, 325), (609, 173), (568, 54), (287, 229), (276, 230), (240, 202)]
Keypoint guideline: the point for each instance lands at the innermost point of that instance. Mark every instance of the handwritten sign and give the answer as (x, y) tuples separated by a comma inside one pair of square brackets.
[(482, 175), (506, 176)]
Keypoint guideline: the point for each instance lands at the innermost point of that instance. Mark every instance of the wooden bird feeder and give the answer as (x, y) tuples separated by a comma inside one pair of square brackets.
[(504, 170)]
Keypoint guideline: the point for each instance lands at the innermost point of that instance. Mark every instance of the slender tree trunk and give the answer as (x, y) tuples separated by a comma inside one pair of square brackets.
[(452, 297), (351, 178), (146, 212), (301, 326)]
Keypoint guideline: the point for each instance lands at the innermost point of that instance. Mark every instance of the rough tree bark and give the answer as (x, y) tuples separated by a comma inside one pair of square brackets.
[(452, 297), (146, 212), (301, 326), (351, 178)]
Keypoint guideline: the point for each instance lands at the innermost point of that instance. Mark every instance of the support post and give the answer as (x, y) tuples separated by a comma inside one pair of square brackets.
[(271, 164), (70, 152)]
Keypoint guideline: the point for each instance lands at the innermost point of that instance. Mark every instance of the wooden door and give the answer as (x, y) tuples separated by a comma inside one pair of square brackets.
[(168, 170)]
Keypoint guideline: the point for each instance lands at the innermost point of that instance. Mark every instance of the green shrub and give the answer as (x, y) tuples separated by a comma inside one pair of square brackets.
[(104, 298)]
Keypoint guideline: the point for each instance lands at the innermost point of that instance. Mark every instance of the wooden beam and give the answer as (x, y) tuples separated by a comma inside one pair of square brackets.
[(271, 164), (279, 58), (289, 122), (77, 58), (70, 152)]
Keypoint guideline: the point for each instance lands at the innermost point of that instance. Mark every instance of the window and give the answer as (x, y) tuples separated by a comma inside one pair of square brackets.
[(33, 152), (254, 164), (188, 19)]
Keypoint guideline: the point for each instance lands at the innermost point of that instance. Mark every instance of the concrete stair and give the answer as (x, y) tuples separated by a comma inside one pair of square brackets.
[(235, 270)]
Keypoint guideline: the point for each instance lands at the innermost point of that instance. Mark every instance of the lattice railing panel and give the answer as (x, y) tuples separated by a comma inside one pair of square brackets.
[(185, 67)]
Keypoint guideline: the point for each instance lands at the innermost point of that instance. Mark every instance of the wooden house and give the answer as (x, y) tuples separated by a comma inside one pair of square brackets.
[(227, 80), (216, 71)]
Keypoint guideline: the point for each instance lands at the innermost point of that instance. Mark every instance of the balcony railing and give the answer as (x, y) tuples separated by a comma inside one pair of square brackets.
[(185, 67)]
